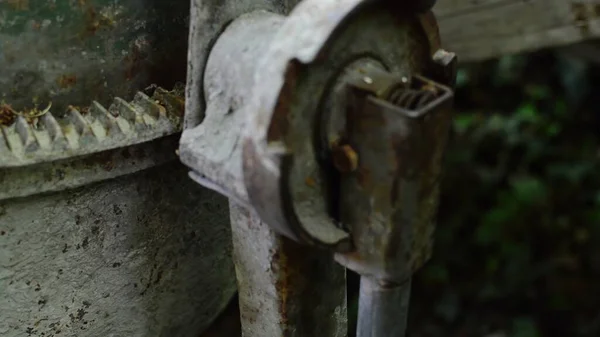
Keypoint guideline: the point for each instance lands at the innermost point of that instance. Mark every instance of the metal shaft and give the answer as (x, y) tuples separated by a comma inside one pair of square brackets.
[(382, 309)]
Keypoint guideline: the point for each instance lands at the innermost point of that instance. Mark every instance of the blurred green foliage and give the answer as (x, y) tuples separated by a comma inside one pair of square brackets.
[(518, 242), (517, 250)]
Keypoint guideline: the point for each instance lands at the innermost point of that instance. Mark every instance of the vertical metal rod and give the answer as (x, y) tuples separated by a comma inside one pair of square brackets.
[(382, 308), (285, 289)]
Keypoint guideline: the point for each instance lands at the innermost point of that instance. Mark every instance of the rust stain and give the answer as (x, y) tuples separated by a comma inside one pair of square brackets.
[(310, 181), (283, 284), (67, 81), (345, 159), (279, 126), (82, 110), (135, 59), (7, 114), (95, 21)]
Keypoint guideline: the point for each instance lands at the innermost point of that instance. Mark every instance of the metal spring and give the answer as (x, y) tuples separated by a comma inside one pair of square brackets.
[(411, 99)]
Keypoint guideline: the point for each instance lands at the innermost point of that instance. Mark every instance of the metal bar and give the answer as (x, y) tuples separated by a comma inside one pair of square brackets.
[(382, 308), (285, 289)]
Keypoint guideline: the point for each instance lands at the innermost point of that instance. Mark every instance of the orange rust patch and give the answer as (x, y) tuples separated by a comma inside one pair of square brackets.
[(82, 110), (279, 124), (66, 81), (345, 159)]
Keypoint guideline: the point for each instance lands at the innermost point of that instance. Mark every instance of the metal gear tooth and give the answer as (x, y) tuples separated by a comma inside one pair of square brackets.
[(42, 136), (85, 134), (25, 132), (122, 108), (173, 103), (56, 138), (13, 141), (4, 147), (99, 113), (79, 122), (149, 106), (104, 124), (49, 123)]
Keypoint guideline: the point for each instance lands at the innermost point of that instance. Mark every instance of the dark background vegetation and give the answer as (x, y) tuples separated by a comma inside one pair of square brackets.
[(517, 249)]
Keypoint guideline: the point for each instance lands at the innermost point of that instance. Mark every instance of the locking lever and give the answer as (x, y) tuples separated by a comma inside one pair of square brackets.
[(396, 130)]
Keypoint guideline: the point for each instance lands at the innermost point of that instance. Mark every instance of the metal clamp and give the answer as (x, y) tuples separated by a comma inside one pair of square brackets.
[(329, 125)]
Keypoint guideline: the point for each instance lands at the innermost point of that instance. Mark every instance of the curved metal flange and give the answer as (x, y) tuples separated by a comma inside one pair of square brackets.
[(208, 19), (283, 176)]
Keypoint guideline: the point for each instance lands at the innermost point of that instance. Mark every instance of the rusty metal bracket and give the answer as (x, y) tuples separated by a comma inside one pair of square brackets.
[(279, 121), (396, 128)]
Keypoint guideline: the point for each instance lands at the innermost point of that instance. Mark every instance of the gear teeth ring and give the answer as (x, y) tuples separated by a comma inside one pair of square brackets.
[(98, 129)]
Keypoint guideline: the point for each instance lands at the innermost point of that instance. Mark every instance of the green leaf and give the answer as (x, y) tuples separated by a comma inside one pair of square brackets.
[(560, 107), (537, 92), (527, 113), (490, 231), (496, 122), (528, 189), (553, 129), (463, 122), (573, 171), (524, 327)]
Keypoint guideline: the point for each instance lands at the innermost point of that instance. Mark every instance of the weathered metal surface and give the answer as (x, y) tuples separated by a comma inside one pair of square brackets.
[(270, 86), (142, 255), (383, 309), (286, 289), (478, 30), (398, 127), (74, 52), (208, 19), (212, 148), (81, 253), (280, 144)]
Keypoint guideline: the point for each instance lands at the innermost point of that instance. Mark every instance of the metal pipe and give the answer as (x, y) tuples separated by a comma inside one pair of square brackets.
[(382, 308)]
